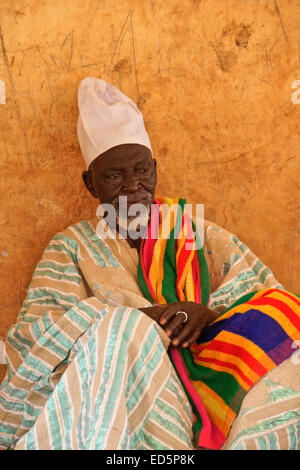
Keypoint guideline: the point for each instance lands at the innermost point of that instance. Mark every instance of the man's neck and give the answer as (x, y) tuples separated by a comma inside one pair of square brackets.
[(134, 243)]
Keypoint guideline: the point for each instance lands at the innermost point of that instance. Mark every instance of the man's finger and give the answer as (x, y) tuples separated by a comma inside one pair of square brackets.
[(170, 311), (191, 339), (182, 335), (176, 323)]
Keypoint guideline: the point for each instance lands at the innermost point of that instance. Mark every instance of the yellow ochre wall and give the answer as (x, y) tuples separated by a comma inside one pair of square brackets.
[(214, 81)]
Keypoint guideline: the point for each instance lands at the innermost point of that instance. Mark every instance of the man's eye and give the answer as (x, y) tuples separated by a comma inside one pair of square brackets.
[(112, 177)]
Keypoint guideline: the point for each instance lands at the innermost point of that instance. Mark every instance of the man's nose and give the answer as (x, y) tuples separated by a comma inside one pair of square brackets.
[(131, 183)]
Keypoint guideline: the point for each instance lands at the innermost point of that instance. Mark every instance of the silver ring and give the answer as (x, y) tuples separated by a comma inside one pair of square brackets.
[(184, 313)]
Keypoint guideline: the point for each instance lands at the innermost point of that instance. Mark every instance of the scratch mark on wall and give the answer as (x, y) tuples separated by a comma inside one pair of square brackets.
[(94, 14), (281, 22), (47, 72), (42, 57), (216, 164), (134, 60), (71, 36), (158, 54), (16, 104), (118, 42), (241, 155)]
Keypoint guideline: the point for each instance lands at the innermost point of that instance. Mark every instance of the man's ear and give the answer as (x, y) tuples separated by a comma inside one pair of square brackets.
[(155, 169), (87, 179)]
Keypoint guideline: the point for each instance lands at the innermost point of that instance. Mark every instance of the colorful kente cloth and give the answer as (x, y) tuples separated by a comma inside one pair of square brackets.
[(256, 334), (171, 268)]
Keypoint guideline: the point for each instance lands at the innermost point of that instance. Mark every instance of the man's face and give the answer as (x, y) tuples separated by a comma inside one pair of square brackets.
[(126, 170)]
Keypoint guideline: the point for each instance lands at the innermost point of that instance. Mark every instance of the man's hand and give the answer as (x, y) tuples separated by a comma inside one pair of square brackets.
[(182, 333)]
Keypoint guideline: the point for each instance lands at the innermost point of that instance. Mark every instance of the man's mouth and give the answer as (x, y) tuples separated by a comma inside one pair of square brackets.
[(144, 198), (139, 200)]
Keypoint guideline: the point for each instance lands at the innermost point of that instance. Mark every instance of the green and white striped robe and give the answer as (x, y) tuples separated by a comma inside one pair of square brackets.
[(86, 368)]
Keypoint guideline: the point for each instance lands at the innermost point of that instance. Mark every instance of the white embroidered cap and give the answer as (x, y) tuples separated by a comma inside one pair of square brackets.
[(107, 118)]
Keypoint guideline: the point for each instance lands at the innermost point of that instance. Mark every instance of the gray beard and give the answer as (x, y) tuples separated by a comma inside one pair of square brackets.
[(141, 220)]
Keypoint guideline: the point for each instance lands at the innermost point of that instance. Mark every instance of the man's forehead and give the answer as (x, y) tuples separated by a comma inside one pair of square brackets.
[(136, 160), (123, 157)]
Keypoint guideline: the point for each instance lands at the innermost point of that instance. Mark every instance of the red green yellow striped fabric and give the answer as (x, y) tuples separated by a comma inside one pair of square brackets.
[(170, 265), (256, 334)]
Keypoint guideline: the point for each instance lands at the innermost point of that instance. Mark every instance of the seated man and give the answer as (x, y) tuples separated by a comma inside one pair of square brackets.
[(127, 342)]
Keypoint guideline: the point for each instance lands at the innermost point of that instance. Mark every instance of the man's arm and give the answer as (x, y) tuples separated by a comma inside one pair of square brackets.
[(56, 312), (56, 287)]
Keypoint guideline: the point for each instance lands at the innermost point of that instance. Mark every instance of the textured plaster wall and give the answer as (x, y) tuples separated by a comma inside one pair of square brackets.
[(214, 81)]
